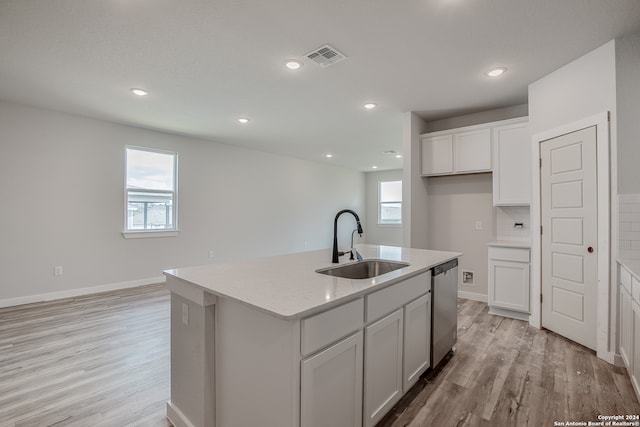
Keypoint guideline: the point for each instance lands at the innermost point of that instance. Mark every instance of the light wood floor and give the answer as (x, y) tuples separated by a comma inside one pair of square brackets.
[(103, 360)]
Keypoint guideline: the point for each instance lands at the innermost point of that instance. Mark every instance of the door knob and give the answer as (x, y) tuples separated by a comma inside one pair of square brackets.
[(590, 249)]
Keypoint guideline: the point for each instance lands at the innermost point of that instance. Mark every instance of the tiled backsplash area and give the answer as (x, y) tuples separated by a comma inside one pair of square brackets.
[(507, 217), (629, 225)]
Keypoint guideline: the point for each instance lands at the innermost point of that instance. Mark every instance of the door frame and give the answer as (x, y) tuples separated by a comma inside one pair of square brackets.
[(601, 122)]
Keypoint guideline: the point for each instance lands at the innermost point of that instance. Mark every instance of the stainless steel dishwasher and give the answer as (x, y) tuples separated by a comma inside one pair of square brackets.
[(444, 310)]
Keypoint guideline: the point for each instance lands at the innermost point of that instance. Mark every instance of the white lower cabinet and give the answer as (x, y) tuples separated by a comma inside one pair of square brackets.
[(629, 321), (331, 385), (509, 282), (626, 327), (355, 381), (382, 366), (417, 340), (634, 365)]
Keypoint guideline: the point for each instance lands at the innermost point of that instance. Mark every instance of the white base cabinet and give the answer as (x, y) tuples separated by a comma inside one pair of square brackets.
[(382, 367), (342, 367), (629, 320), (509, 282), (331, 385), (417, 339)]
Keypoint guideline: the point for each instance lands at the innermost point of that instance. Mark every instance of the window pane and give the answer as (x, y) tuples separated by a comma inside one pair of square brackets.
[(391, 191), (150, 170), (390, 213), (149, 211)]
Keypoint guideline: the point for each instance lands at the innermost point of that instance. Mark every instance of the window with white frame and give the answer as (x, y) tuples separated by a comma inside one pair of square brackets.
[(151, 197), (390, 202)]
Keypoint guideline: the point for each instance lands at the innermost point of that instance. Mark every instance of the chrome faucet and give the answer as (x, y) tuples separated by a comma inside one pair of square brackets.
[(336, 254)]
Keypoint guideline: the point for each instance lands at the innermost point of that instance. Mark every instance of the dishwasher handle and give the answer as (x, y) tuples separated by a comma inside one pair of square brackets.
[(444, 267)]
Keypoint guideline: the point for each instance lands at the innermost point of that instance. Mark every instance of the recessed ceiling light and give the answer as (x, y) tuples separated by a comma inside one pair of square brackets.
[(293, 64), (370, 106), (398, 156), (243, 120), (374, 167), (496, 72), (138, 91), (328, 155)]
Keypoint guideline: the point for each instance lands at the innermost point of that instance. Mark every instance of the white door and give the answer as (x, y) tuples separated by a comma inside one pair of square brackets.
[(569, 235), (382, 367), (331, 392)]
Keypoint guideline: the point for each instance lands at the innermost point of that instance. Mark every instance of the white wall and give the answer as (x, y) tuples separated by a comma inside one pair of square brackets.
[(375, 233), (628, 109), (579, 90), (62, 191), (455, 204), (414, 187)]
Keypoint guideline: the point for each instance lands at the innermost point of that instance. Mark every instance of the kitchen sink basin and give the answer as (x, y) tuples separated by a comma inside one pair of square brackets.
[(363, 269)]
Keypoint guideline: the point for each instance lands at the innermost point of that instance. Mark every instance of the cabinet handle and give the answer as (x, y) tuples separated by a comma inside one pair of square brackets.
[(590, 249)]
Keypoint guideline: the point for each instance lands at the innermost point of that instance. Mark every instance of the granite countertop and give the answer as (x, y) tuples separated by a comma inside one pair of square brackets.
[(633, 265), (511, 244), (287, 286)]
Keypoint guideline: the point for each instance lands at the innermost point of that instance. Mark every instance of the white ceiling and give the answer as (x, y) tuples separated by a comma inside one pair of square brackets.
[(208, 62)]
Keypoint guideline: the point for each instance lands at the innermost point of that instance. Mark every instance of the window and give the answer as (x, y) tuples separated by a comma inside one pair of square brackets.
[(390, 206), (150, 190)]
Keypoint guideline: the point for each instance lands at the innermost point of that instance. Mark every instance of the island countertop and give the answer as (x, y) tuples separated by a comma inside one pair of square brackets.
[(288, 286)]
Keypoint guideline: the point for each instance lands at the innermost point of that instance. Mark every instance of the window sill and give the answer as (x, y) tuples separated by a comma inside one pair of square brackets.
[(390, 225), (149, 234)]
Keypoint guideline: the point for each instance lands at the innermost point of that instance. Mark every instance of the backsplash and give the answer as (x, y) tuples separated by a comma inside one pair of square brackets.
[(629, 225), (507, 217)]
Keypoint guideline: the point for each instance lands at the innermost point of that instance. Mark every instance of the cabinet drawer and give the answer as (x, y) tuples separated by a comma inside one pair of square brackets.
[(391, 298), (509, 254), (322, 329), (625, 278)]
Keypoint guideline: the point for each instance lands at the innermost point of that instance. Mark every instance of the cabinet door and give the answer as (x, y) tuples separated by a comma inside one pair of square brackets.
[(472, 151), (437, 155), (511, 165), (626, 329), (635, 345), (417, 340), (331, 393), (382, 367), (509, 285)]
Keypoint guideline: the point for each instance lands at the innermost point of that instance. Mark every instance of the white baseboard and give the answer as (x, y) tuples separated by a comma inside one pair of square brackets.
[(71, 293), (175, 415), (473, 296)]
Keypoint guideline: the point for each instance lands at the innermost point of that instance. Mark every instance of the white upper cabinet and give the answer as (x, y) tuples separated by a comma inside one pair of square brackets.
[(472, 151), (437, 155), (501, 147), (511, 165), (457, 151)]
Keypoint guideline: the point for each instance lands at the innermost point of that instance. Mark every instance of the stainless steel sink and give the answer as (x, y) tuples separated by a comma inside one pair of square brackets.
[(363, 269)]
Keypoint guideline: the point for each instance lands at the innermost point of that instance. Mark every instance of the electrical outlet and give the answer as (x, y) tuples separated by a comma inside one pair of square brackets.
[(57, 270), (478, 225), (210, 254), (185, 314)]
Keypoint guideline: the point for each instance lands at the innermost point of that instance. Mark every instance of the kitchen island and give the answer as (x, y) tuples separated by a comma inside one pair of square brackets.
[(272, 342)]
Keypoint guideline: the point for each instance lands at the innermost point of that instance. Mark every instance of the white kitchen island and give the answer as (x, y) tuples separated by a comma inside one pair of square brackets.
[(271, 342)]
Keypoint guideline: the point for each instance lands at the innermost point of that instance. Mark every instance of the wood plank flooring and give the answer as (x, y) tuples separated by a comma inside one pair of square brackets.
[(103, 360), (506, 373), (100, 360)]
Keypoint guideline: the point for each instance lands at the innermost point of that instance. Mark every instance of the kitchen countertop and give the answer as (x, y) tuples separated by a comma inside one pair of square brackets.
[(511, 244), (633, 265), (287, 286)]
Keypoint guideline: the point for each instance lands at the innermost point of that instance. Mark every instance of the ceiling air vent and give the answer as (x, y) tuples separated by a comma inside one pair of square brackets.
[(325, 56)]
